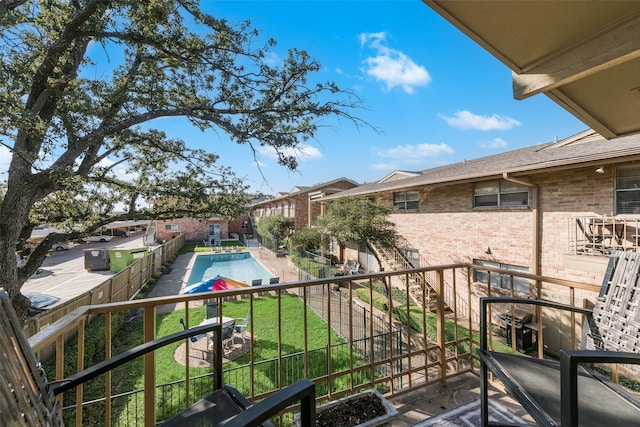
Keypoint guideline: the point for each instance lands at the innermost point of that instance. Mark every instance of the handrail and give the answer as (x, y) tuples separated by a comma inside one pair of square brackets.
[(393, 365)]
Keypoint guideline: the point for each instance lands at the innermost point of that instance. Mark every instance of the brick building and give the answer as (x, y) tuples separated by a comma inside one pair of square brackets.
[(553, 209), (211, 229), (300, 203)]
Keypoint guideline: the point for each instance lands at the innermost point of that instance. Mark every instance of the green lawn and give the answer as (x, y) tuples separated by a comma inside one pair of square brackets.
[(289, 338), (416, 319)]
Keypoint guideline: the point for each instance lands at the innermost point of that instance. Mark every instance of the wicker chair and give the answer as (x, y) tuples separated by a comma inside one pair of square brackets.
[(27, 399)]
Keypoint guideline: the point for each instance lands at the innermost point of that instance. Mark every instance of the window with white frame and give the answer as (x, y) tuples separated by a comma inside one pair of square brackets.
[(407, 200), (500, 193), (501, 280), (628, 190), (171, 227)]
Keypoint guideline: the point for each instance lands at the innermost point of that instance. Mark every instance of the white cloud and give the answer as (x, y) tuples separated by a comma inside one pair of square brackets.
[(302, 152), (391, 66), (5, 159), (385, 166), (273, 59), (119, 171), (414, 154), (467, 120), (494, 143)]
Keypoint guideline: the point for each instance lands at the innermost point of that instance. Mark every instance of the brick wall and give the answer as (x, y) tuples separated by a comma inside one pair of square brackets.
[(447, 228), (193, 229)]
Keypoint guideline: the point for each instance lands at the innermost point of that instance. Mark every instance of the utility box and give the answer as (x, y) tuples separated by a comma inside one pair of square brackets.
[(96, 259), (120, 258)]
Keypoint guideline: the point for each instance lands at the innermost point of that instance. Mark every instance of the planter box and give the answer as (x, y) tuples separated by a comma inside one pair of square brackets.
[(390, 411)]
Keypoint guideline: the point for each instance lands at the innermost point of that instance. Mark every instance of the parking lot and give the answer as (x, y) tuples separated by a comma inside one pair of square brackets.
[(63, 273)]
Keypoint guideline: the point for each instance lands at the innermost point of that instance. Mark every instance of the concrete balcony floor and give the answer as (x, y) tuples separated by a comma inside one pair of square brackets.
[(418, 406)]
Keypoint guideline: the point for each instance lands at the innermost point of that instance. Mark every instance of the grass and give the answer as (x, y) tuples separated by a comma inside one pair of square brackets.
[(200, 247), (270, 341), (315, 268), (415, 319)]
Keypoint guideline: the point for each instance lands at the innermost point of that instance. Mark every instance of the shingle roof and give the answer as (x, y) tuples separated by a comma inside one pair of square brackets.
[(300, 189), (574, 152)]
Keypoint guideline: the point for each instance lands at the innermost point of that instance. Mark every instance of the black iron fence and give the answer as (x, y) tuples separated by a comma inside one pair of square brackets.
[(288, 369)]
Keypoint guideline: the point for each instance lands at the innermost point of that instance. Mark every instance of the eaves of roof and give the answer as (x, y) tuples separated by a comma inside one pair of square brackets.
[(579, 152), (303, 190)]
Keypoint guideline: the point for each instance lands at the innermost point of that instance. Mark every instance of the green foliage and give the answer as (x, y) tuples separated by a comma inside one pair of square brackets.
[(275, 227), (313, 267), (306, 239), (74, 120), (188, 248), (354, 220)]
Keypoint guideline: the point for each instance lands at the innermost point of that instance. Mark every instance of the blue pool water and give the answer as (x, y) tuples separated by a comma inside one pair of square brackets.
[(239, 266)]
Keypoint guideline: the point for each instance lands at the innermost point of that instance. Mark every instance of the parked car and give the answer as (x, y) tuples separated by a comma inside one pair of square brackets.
[(95, 238), (40, 302), (62, 246), (115, 232)]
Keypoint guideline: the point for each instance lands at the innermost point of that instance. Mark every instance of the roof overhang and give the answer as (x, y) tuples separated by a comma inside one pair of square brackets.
[(584, 55)]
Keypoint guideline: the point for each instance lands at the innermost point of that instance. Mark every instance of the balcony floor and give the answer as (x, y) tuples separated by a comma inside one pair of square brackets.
[(417, 406)]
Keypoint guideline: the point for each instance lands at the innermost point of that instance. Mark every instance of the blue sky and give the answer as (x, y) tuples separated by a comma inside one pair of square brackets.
[(435, 96)]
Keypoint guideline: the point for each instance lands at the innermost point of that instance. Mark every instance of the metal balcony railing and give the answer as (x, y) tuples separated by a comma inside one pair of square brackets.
[(599, 235), (371, 341)]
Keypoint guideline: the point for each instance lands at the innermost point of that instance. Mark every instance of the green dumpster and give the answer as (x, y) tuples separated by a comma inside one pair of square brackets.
[(120, 258)]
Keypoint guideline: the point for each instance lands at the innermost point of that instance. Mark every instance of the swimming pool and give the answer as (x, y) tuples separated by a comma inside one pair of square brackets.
[(240, 266)]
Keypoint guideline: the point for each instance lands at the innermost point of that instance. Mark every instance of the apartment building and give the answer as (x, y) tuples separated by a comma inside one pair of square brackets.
[(555, 209)]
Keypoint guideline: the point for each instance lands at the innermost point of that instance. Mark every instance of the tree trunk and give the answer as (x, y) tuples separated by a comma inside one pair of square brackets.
[(14, 214)]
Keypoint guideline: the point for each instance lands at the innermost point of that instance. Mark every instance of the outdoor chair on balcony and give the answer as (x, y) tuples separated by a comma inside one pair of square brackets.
[(28, 399), (566, 392)]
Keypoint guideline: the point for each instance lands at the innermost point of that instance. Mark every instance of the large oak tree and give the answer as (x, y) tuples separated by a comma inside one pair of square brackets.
[(71, 120)]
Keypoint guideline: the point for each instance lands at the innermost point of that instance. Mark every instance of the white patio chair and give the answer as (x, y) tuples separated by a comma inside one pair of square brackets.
[(241, 326)]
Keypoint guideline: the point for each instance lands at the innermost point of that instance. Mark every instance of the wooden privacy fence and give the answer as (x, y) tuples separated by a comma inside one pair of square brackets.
[(121, 286)]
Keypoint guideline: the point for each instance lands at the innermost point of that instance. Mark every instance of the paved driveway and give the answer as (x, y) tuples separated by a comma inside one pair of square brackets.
[(62, 274)]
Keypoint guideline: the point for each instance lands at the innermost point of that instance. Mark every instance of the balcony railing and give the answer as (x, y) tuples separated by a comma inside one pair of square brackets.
[(599, 235), (370, 342)]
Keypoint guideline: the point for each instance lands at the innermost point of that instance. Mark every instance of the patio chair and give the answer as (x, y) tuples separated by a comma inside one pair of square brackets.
[(354, 269), (256, 282), (594, 241), (227, 334), (212, 310), (194, 339), (241, 326), (565, 392), (27, 398), (274, 280)]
